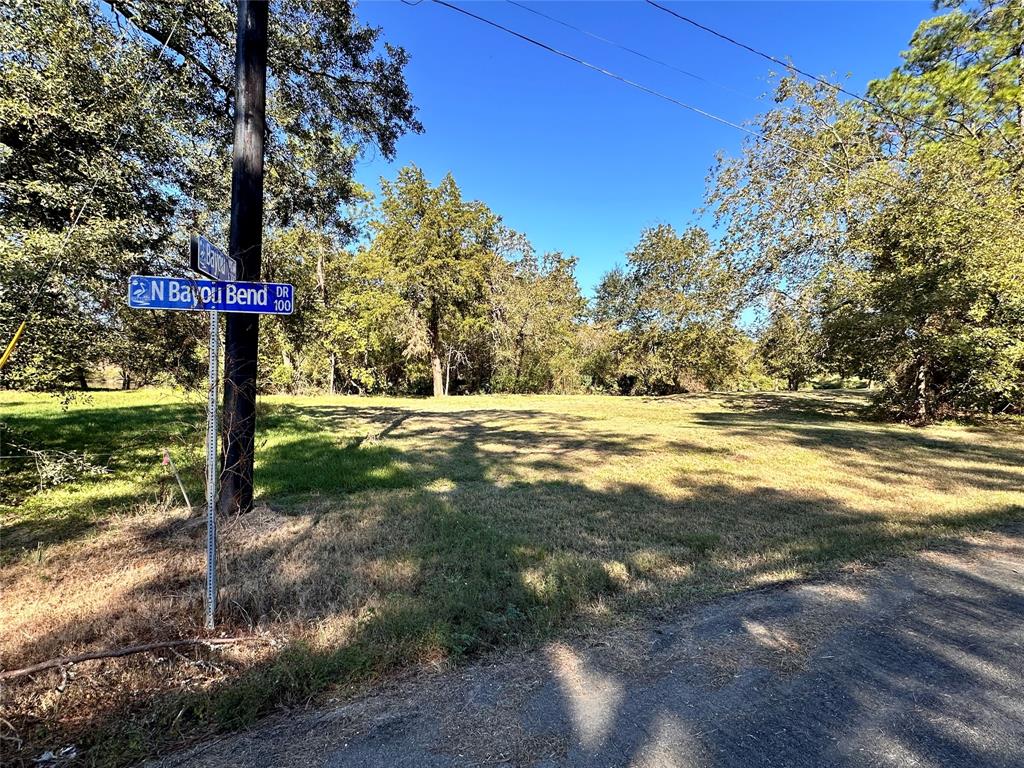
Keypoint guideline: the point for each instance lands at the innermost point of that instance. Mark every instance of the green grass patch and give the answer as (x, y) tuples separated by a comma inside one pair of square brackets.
[(391, 532)]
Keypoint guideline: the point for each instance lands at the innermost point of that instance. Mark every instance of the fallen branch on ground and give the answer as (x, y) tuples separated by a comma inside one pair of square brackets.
[(66, 661)]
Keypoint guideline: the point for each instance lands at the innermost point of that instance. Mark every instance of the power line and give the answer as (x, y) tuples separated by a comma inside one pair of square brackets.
[(633, 51), (621, 79), (670, 99), (791, 66), (638, 86)]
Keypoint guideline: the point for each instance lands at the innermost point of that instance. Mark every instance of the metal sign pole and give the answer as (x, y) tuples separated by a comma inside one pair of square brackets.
[(224, 293), (211, 474)]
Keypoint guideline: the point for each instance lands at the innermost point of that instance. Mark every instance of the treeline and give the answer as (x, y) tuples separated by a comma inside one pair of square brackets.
[(877, 238), (445, 299)]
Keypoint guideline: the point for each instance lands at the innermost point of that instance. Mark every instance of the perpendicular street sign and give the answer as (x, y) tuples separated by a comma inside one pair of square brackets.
[(207, 259), (180, 293)]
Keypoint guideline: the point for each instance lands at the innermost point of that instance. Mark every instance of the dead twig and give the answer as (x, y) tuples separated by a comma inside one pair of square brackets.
[(65, 661), (16, 738)]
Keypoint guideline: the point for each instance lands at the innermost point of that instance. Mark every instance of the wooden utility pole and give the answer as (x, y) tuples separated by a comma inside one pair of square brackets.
[(245, 243)]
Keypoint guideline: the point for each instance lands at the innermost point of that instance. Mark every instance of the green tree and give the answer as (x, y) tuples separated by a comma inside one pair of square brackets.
[(537, 310), (961, 82), (80, 144), (902, 212), (940, 306), (789, 344), (439, 250), (332, 89), (946, 275), (97, 129), (671, 314)]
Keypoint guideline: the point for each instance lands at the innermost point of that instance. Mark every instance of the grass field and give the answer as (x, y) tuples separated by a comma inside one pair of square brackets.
[(395, 532)]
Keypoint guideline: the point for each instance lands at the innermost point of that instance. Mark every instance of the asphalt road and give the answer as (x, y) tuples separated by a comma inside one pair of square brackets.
[(919, 663)]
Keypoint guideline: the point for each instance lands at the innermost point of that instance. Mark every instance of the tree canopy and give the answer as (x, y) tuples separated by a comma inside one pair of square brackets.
[(115, 131), (895, 216), (875, 238)]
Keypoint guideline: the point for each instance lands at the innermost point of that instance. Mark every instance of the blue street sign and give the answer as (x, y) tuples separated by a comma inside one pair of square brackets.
[(206, 259), (210, 295)]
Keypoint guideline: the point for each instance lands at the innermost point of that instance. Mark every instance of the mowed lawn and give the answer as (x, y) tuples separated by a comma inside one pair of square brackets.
[(394, 532)]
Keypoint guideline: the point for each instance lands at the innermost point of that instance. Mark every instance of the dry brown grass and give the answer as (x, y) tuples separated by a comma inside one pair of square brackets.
[(398, 531)]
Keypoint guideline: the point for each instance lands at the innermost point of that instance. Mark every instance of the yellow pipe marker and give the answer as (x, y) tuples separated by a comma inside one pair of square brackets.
[(10, 347)]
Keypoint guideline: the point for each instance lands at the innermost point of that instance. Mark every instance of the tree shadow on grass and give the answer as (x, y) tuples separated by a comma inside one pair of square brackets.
[(991, 458), (440, 539), (37, 530), (328, 450), (479, 577), (810, 407), (127, 442), (104, 433), (911, 667)]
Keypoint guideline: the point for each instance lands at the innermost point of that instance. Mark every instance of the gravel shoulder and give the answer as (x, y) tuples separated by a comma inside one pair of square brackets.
[(916, 663)]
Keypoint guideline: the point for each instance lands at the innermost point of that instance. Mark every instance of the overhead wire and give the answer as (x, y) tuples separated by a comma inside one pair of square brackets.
[(666, 97), (632, 83), (633, 51), (789, 65)]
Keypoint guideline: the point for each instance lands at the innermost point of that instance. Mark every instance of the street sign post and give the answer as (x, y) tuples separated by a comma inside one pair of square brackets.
[(224, 293), (207, 259), (211, 473)]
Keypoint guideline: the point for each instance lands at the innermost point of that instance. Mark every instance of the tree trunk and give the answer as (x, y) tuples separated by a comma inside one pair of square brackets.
[(521, 343), (921, 393), (321, 278), (1020, 81), (334, 367), (245, 242), (437, 372), (434, 339)]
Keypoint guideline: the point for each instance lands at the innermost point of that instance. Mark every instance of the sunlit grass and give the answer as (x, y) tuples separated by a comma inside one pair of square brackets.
[(397, 531)]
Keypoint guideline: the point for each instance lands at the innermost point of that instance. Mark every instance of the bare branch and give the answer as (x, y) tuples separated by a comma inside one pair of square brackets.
[(65, 661)]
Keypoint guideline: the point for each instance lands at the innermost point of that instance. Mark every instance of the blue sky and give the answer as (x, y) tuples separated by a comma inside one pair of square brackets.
[(582, 163)]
